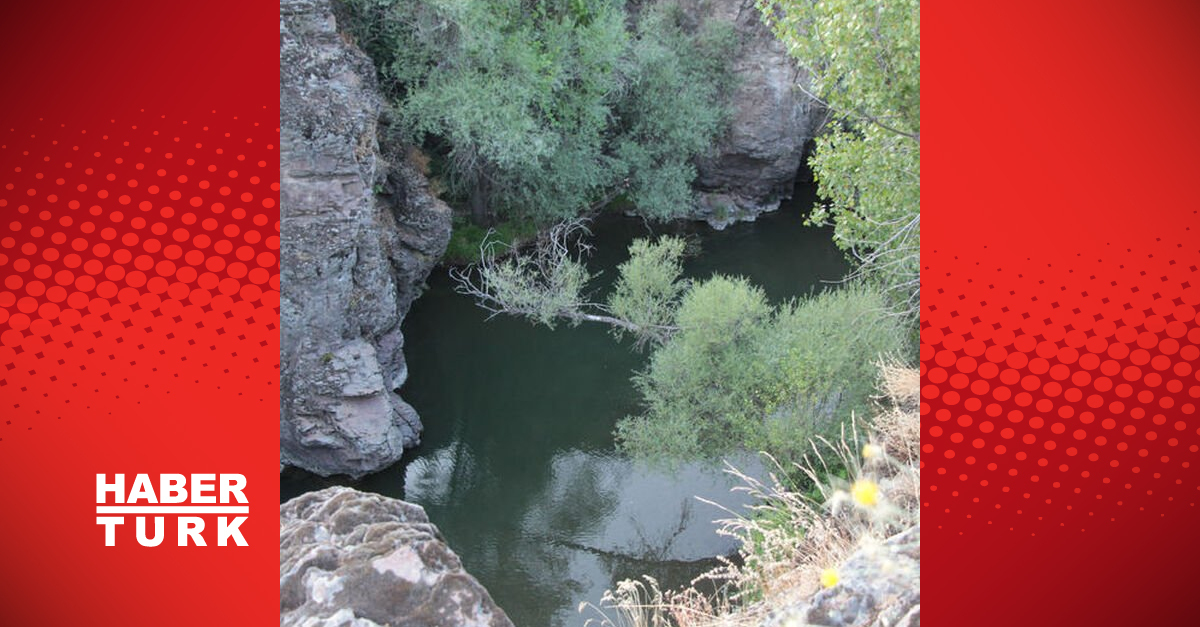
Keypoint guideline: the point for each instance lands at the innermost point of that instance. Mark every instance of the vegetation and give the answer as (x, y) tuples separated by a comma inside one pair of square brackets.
[(674, 107), (542, 110), (794, 544), (864, 61), (546, 106), (549, 282), (466, 238), (743, 374), (729, 370), (738, 371), (537, 112)]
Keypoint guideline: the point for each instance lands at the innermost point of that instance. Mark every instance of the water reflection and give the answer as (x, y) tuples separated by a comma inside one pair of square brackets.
[(517, 466), (597, 514), (435, 477)]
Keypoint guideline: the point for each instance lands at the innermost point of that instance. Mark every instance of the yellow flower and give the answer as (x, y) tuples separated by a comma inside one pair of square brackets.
[(865, 492), (871, 450), (829, 578)]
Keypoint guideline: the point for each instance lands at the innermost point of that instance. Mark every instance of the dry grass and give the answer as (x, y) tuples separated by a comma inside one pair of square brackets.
[(418, 159), (898, 425), (791, 544), (900, 384)]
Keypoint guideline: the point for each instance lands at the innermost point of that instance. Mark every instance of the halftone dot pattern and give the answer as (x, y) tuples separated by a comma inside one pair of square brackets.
[(139, 252), (1060, 397)]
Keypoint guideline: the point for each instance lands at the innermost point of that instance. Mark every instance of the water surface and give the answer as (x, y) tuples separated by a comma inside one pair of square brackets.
[(517, 465)]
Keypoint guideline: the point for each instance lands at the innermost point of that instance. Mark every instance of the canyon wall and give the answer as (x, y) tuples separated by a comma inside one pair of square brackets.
[(361, 233)]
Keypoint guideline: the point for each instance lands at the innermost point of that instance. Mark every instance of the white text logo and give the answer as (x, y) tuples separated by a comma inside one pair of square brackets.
[(186, 498)]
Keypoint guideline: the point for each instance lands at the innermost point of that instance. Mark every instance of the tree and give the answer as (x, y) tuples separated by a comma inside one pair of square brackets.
[(674, 107), (864, 60), (543, 110), (520, 98)]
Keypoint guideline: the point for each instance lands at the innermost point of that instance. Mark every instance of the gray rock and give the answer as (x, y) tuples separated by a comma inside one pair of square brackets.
[(351, 559), (879, 586), (360, 234), (754, 166)]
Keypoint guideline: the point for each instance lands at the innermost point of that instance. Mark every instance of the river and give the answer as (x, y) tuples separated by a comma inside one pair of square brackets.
[(517, 465)]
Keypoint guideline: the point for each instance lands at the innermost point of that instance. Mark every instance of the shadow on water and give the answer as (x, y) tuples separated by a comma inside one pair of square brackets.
[(517, 466)]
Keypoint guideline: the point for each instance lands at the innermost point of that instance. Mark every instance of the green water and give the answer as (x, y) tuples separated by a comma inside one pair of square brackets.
[(517, 466)]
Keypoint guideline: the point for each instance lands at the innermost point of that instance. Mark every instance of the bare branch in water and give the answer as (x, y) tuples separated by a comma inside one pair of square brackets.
[(546, 283)]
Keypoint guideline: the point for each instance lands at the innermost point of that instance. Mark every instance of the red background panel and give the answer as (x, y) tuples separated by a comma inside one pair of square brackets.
[(1060, 341), (138, 301)]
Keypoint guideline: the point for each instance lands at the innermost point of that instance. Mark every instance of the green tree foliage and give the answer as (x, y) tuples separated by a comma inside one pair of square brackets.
[(742, 374), (544, 108), (865, 62), (670, 112), (649, 287)]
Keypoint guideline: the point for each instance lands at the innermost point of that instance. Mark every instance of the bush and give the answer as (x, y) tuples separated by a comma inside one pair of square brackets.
[(649, 286), (544, 109), (700, 388), (740, 374), (674, 108), (824, 351)]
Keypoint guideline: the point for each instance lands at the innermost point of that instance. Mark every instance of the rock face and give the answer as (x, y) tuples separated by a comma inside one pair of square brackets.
[(754, 166), (349, 559), (360, 234), (878, 586)]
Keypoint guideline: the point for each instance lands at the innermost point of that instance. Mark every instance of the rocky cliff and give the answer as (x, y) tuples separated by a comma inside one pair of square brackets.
[(754, 166), (360, 234), (349, 559)]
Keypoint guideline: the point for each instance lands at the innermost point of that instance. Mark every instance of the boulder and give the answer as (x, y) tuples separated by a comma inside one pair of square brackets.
[(360, 233), (351, 559)]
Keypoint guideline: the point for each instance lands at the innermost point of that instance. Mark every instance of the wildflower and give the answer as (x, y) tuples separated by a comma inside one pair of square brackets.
[(829, 577), (865, 492), (871, 451)]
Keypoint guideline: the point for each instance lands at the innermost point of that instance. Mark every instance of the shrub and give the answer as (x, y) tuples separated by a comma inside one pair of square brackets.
[(741, 374), (542, 110), (649, 286), (823, 351)]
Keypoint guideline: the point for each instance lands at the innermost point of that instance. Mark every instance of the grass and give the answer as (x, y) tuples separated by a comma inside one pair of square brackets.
[(793, 543), (466, 237)]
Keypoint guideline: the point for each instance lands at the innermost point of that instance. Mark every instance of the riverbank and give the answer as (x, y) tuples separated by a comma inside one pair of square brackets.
[(849, 556)]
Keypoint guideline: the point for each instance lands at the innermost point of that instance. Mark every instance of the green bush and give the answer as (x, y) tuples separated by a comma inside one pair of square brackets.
[(743, 375), (543, 109), (649, 286), (674, 107)]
